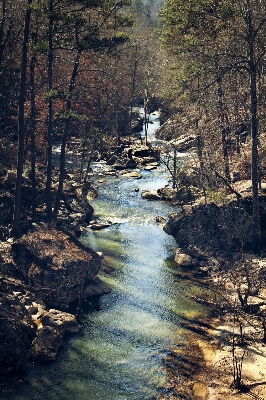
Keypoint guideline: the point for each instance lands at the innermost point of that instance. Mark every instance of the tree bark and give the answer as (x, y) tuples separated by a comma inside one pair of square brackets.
[(21, 125), (222, 127), (132, 92), (50, 117), (254, 130), (65, 136), (32, 132)]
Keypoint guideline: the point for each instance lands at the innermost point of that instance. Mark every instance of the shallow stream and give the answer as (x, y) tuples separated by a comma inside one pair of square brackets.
[(119, 354)]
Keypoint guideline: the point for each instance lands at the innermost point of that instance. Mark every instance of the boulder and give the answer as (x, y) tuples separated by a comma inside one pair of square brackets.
[(149, 160), (160, 219), (118, 166), (133, 174), (16, 332), (150, 195), (168, 194), (184, 194), (98, 226), (149, 167), (56, 265), (213, 228), (76, 205), (143, 151), (47, 343), (131, 163), (183, 259), (142, 154), (62, 321), (184, 142), (124, 163), (168, 130), (110, 173), (97, 288)]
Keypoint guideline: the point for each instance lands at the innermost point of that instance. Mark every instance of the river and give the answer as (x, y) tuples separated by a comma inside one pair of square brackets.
[(119, 353)]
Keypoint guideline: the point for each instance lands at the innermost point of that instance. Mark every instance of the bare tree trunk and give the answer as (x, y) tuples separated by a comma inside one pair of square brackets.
[(222, 127), (175, 171), (254, 129), (21, 126), (33, 147), (145, 117), (4, 31), (132, 93), (202, 172), (2, 27), (50, 117), (65, 136)]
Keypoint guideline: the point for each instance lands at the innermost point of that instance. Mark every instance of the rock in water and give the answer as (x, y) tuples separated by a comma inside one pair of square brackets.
[(49, 338), (150, 195), (46, 344)]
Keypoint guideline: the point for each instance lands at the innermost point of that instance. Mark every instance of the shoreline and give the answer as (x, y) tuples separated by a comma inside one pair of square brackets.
[(213, 343), (216, 380), (219, 365)]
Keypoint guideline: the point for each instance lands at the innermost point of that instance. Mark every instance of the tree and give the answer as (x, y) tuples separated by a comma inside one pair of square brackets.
[(204, 31), (88, 38), (253, 14), (21, 125), (50, 112)]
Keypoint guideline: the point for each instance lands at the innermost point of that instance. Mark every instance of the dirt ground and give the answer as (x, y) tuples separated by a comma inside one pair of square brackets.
[(218, 375), (215, 381)]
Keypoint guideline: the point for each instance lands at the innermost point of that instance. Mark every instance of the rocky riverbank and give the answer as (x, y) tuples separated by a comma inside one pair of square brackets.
[(47, 272), (42, 274), (225, 355), (214, 234), (216, 249)]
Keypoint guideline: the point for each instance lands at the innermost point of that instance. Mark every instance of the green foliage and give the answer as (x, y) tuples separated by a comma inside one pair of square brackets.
[(216, 196), (105, 44), (56, 94), (67, 115), (196, 34), (27, 172), (39, 48), (193, 21)]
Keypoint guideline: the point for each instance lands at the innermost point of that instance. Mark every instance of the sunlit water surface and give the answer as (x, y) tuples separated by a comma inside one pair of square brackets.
[(120, 350)]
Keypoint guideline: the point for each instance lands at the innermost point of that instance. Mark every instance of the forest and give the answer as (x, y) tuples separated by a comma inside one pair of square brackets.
[(72, 73), (74, 70)]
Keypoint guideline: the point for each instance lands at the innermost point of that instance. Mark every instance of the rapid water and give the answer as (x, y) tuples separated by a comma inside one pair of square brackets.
[(119, 353)]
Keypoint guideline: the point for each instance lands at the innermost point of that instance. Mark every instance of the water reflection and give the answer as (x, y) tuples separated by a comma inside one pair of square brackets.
[(118, 354)]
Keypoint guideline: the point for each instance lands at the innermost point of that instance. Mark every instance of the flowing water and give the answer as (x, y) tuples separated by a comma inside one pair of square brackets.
[(119, 353)]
